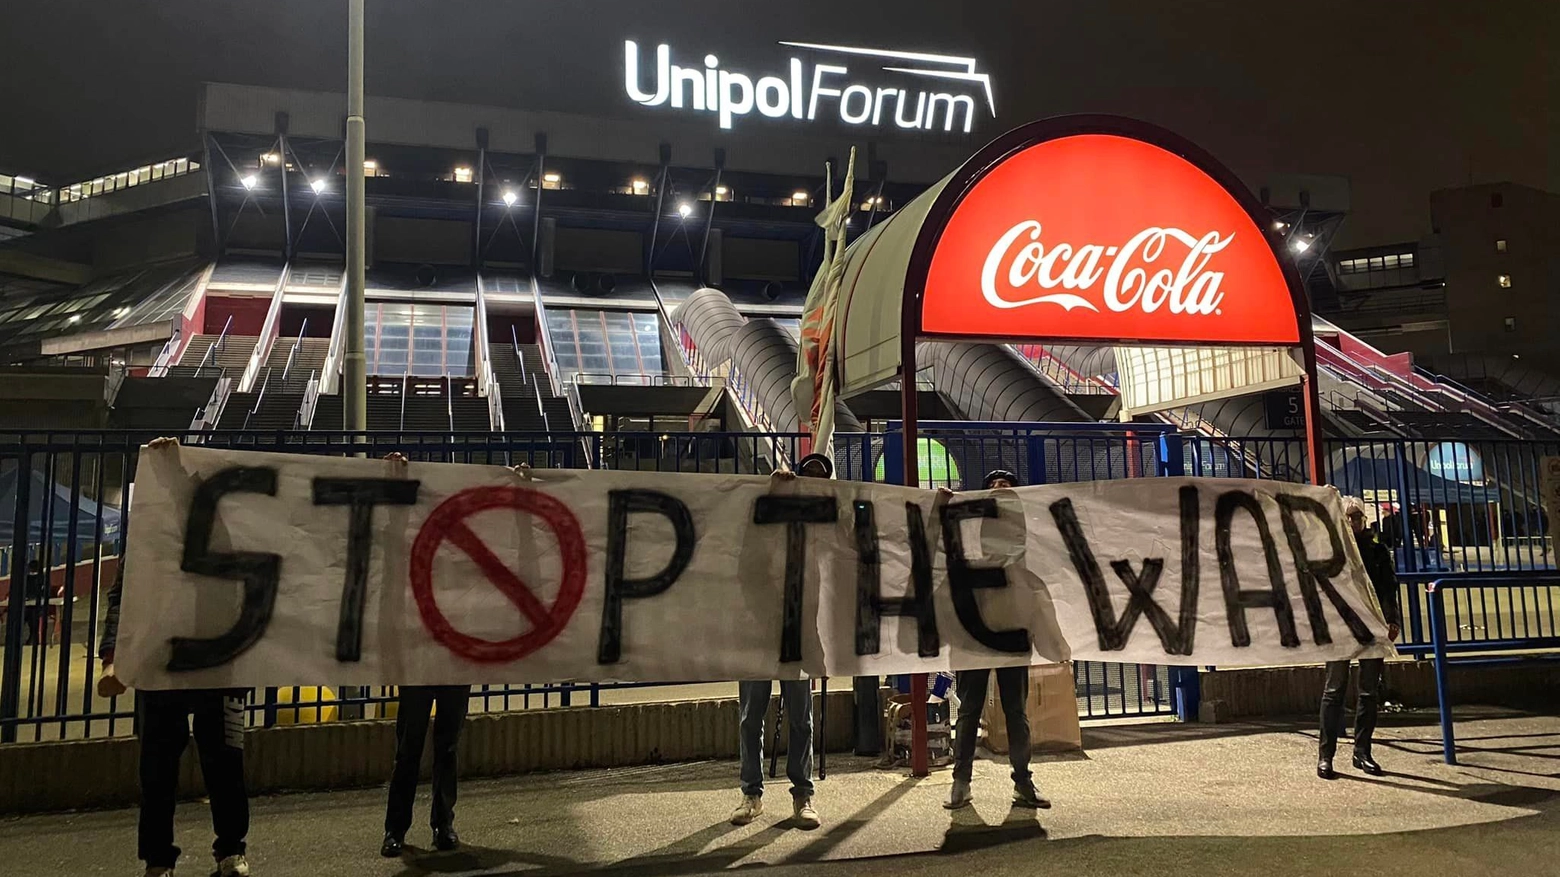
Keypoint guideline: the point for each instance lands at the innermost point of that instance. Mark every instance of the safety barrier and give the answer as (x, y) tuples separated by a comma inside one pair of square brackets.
[(1449, 651), (59, 479)]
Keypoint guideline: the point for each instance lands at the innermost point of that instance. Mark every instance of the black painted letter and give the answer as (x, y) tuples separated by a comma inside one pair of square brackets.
[(870, 603), (964, 580), (361, 494), (257, 570), (621, 504), (1237, 601), (1319, 572), (795, 512), (1113, 633)]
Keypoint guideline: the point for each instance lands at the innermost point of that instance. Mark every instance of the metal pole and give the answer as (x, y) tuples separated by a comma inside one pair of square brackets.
[(536, 208), (699, 271), (287, 240), (910, 409), (355, 386)]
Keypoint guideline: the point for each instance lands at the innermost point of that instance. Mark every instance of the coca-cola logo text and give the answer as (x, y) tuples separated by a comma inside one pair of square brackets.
[(1134, 274)]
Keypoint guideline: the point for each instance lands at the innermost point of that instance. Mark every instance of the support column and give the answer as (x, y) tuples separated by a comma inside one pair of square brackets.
[(355, 384)]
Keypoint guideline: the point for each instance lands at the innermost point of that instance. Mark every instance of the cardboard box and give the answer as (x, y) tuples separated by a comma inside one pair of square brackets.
[(1052, 708)]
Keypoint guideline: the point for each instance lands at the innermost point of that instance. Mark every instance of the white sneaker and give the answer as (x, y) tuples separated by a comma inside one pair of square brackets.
[(804, 814), (958, 796), (751, 808), (159, 872), (233, 866)]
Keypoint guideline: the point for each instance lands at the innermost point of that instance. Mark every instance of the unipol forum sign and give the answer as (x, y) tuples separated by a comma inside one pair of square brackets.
[(248, 569), (1105, 238), (877, 88)]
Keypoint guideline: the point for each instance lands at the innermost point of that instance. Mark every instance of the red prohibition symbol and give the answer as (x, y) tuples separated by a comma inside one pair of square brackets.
[(448, 523)]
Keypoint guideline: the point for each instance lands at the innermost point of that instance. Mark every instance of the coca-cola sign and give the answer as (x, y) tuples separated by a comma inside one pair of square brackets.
[(1099, 237)]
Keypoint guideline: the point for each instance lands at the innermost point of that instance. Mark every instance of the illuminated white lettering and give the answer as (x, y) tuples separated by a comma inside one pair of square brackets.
[(877, 105), (950, 101), (899, 111), (728, 95), (711, 95), (692, 78), (663, 54), (796, 88), (772, 96), (736, 96), (1132, 280), (819, 91), (865, 94)]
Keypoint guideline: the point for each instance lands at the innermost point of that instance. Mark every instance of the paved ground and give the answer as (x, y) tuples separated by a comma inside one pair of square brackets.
[(1152, 799)]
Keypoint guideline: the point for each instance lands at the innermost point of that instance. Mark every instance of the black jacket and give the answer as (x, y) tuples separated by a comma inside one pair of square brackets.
[(111, 621), (1382, 571)]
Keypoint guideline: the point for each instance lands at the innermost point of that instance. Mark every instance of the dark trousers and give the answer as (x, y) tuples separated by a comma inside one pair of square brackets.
[(1333, 695), (411, 727), (1013, 688), (219, 741)]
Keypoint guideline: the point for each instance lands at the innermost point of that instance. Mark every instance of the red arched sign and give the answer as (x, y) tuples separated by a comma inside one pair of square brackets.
[(1106, 238)]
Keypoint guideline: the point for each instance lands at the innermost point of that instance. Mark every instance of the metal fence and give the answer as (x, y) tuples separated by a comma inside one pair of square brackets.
[(61, 504)]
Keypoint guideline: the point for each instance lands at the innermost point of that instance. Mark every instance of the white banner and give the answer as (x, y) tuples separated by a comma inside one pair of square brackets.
[(253, 569)]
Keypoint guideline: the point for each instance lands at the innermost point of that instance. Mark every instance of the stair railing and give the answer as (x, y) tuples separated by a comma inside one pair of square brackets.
[(514, 341), (259, 398), (330, 371), (206, 417), (164, 357), (406, 383), (214, 348), (542, 409), (268, 331), (311, 398), (292, 355)]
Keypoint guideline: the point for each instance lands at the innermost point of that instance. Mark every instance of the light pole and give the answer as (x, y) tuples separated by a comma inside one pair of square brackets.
[(355, 386)]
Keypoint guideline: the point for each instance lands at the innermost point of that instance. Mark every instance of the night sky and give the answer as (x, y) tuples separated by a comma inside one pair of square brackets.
[(1401, 97)]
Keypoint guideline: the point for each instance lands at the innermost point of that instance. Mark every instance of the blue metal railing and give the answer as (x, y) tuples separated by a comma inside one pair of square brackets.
[(1489, 651), (46, 688)]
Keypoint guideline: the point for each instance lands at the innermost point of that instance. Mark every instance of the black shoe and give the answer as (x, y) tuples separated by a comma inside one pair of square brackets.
[(391, 848), (1367, 764), (1324, 769), (445, 839)]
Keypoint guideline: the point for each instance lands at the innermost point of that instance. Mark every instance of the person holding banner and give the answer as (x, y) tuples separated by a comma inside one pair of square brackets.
[(448, 704), (165, 732), (1383, 578), (1013, 687), (796, 695)]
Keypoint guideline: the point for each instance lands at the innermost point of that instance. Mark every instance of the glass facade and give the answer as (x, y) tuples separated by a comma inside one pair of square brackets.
[(417, 339), (134, 298), (616, 343)]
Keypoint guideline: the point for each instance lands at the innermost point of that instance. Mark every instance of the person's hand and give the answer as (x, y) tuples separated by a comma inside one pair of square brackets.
[(395, 457), (782, 475), (1392, 632), (944, 492), (108, 684)]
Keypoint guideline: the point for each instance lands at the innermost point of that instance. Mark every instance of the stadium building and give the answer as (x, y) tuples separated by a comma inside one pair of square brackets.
[(643, 272)]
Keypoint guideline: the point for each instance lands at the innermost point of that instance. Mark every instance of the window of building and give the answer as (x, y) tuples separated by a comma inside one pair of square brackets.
[(1511, 324), (1504, 280), (1500, 245)]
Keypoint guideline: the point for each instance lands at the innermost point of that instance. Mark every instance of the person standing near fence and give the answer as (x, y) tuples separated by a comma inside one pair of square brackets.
[(165, 732), (1013, 688), (796, 698), (1383, 577), (448, 705), (36, 593)]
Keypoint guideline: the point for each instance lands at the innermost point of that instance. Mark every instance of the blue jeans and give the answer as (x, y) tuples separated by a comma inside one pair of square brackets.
[(752, 704)]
